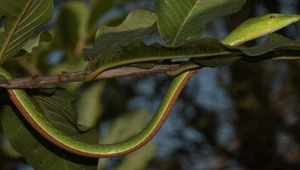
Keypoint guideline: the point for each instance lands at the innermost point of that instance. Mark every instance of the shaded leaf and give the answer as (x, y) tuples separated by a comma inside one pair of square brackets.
[(121, 2), (144, 156), (34, 42), (72, 26), (138, 52), (57, 108), (2, 29), (205, 51), (22, 17), (9, 150), (272, 42), (180, 21), (99, 8), (89, 106), (124, 127), (137, 24), (116, 20), (3, 80), (251, 29), (217, 62), (39, 152)]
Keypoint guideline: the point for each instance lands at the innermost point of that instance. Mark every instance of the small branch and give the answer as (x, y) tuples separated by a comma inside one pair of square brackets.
[(39, 81)]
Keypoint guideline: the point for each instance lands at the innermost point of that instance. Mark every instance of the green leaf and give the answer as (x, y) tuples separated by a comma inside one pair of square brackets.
[(180, 21), (136, 25), (124, 127), (38, 151), (9, 150), (269, 49), (89, 106), (44, 36), (217, 62), (205, 51), (121, 2), (58, 109), (3, 80), (116, 20), (72, 26), (99, 8), (144, 155), (22, 17), (138, 52), (250, 29), (272, 42)]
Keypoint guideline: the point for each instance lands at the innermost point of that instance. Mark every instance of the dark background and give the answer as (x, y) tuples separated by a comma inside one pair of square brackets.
[(241, 117)]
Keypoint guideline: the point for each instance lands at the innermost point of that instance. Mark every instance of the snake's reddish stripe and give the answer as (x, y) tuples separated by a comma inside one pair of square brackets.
[(56, 142)]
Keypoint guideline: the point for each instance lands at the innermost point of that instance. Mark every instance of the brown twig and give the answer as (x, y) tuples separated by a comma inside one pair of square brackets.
[(39, 81)]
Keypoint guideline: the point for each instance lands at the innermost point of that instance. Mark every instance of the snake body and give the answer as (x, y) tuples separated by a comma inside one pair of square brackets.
[(31, 112)]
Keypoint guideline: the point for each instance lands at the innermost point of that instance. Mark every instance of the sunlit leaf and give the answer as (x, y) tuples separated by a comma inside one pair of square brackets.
[(180, 21)]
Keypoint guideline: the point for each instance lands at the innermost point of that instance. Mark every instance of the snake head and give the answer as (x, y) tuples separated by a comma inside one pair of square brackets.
[(259, 26)]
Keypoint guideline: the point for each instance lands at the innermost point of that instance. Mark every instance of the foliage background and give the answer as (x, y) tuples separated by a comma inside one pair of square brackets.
[(245, 116)]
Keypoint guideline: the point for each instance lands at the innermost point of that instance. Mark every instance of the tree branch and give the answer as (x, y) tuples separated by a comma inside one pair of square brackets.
[(39, 81)]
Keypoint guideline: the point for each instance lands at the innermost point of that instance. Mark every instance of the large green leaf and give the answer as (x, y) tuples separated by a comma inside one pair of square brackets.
[(272, 42), (39, 152), (22, 17), (138, 52), (273, 47), (180, 21), (137, 24), (205, 51)]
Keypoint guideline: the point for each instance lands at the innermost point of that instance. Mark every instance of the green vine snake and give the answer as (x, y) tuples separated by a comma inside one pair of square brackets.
[(248, 30)]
